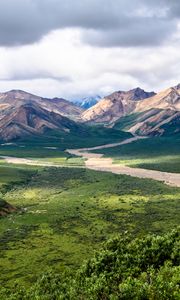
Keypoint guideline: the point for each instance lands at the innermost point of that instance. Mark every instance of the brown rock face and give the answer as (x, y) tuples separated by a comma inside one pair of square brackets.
[(154, 114), (157, 122), (23, 114), (31, 119), (17, 98), (115, 105), (168, 99)]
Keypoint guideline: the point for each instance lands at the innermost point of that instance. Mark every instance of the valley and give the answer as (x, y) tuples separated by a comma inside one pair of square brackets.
[(89, 150), (63, 214), (68, 184)]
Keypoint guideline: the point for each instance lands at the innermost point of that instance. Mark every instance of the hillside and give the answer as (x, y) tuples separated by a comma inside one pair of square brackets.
[(153, 122), (26, 116), (139, 112), (16, 98), (125, 268), (167, 99), (115, 105), (31, 119)]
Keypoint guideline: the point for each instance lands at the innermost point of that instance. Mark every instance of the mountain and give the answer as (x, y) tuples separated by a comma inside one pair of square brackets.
[(154, 122), (16, 98), (87, 102), (32, 119), (139, 112), (115, 105), (167, 99), (155, 116), (24, 116)]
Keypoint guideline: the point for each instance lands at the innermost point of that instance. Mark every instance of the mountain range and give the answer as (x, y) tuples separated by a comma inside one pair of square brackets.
[(137, 111), (140, 112)]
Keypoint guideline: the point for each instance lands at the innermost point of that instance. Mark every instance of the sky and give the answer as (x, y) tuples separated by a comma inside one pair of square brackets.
[(78, 48)]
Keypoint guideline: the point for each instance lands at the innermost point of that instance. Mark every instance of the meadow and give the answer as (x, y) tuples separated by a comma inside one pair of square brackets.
[(53, 143), (158, 153), (64, 214)]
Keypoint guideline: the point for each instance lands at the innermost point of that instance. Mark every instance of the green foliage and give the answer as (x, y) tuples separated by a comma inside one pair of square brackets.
[(64, 214), (145, 268), (39, 147), (126, 122)]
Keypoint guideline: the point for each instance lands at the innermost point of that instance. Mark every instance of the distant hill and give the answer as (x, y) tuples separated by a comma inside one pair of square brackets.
[(87, 102)]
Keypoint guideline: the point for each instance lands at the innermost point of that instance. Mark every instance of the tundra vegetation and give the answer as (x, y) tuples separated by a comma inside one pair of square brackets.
[(65, 214)]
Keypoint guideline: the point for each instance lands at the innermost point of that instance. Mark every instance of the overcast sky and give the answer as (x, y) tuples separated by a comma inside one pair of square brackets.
[(76, 48)]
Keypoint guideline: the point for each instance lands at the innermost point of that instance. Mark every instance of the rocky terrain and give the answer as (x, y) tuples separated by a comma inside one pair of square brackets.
[(32, 119), (143, 113), (139, 112), (167, 99), (23, 114), (153, 122), (14, 99), (115, 105)]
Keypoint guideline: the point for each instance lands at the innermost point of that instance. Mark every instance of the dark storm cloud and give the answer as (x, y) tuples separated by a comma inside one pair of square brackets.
[(140, 33), (109, 22)]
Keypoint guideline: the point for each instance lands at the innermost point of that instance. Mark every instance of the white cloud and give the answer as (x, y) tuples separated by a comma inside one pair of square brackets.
[(61, 64)]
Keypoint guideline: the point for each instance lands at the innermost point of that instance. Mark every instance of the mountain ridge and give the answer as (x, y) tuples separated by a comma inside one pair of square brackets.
[(115, 105), (24, 114)]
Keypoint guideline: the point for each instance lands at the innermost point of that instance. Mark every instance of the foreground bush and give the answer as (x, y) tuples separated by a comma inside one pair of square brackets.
[(142, 268)]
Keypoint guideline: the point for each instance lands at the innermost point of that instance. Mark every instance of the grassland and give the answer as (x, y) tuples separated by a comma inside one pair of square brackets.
[(51, 147), (42, 146), (158, 153), (64, 214)]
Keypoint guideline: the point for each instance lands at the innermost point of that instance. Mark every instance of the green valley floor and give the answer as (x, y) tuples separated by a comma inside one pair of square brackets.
[(64, 214)]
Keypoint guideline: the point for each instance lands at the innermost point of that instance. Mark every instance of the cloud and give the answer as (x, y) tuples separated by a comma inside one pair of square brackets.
[(140, 33), (62, 65), (105, 23), (76, 48)]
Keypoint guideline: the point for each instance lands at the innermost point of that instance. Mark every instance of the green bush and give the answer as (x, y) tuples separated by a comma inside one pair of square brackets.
[(126, 268)]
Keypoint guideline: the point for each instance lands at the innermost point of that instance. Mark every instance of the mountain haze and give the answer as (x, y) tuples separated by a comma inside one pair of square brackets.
[(87, 102)]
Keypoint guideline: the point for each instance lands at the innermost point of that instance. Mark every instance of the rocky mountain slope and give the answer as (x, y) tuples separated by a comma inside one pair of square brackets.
[(139, 112), (167, 99), (32, 119), (115, 105), (16, 98), (154, 122)]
